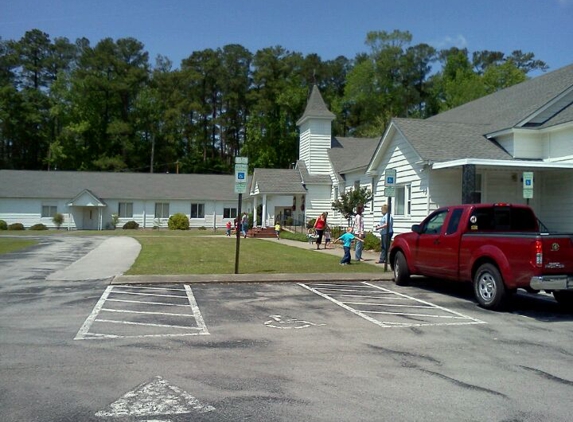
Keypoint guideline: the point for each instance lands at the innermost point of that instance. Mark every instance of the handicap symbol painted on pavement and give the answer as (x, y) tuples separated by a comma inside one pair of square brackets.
[(287, 323)]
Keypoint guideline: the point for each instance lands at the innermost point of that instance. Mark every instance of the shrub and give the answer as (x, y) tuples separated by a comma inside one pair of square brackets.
[(39, 226), (310, 223), (131, 225), (114, 220), (58, 219), (178, 221), (16, 226), (202, 228), (3, 225), (371, 242)]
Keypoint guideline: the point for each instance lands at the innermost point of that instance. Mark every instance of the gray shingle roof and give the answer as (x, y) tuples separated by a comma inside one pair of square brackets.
[(307, 178), (348, 154), (443, 141), (315, 107), (278, 181), (506, 108), (128, 186)]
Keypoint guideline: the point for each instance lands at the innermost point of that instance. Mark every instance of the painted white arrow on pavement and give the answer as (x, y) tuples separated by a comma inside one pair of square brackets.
[(154, 398)]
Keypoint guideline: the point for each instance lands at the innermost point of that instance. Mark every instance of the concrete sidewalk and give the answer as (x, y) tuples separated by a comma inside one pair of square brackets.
[(368, 256)]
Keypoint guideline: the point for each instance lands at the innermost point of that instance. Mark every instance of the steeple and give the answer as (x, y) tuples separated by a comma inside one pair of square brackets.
[(315, 128), (315, 108)]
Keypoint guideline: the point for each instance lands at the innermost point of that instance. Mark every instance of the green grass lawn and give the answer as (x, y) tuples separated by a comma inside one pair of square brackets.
[(216, 255), (8, 244), (207, 252)]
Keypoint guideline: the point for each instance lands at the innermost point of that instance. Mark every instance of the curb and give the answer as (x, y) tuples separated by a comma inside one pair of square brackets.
[(251, 278)]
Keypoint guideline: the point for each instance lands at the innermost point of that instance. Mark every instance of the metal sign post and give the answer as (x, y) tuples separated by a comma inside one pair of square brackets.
[(528, 185), (241, 172), (389, 192)]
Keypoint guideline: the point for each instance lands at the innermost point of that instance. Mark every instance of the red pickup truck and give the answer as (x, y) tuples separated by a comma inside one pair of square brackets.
[(497, 247)]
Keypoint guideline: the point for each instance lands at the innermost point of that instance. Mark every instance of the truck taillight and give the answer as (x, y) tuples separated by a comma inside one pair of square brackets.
[(538, 253)]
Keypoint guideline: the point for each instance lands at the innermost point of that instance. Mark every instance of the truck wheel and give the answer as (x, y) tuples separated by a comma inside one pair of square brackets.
[(489, 289), (564, 298), (401, 271)]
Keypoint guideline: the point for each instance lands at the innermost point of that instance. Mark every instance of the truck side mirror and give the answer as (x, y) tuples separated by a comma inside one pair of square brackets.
[(416, 228)]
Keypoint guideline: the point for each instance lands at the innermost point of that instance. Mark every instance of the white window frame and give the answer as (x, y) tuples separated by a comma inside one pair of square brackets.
[(49, 211), (403, 200), (160, 210), (199, 211), (229, 212), (125, 210)]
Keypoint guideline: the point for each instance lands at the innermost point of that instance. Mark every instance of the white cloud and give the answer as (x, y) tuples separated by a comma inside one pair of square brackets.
[(458, 41)]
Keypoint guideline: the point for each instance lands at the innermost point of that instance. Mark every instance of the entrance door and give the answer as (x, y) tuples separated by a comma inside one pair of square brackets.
[(90, 219)]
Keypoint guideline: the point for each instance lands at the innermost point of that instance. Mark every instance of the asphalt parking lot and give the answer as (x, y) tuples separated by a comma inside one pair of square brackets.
[(358, 350)]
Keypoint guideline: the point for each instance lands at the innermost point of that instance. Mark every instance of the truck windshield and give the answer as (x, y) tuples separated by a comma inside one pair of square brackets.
[(503, 218)]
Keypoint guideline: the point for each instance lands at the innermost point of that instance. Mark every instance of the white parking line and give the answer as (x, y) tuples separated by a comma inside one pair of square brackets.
[(143, 311), (400, 308)]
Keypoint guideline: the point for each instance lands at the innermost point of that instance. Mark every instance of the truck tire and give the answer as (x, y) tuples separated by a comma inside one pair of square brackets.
[(489, 289), (564, 298), (401, 271)]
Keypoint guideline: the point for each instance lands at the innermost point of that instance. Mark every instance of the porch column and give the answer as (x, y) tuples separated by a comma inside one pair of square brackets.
[(468, 183), (255, 216), (264, 222)]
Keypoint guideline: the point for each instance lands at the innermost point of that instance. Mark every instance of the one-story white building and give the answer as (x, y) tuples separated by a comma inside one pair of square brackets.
[(477, 152)]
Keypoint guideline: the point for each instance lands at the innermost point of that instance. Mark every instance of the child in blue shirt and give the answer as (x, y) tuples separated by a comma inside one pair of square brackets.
[(346, 240)]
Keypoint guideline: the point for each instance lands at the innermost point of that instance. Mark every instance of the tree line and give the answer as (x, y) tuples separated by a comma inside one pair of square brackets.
[(73, 106)]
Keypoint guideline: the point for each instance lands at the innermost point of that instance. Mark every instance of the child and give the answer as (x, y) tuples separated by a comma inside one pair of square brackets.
[(326, 237), (229, 228), (347, 239), (278, 230)]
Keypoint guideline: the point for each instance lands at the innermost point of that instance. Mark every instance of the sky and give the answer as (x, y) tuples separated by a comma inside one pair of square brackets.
[(329, 28)]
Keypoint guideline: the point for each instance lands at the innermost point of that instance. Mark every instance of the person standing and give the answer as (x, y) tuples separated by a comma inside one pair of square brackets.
[(359, 232), (229, 228), (320, 226), (386, 228), (347, 239), (244, 225), (278, 230)]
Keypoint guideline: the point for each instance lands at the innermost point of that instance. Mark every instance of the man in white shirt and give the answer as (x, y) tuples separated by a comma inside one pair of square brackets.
[(386, 228), (359, 232)]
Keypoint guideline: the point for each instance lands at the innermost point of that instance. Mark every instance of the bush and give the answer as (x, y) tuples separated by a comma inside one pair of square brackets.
[(39, 226), (3, 225), (202, 228), (178, 221), (310, 223), (58, 219), (131, 225), (16, 226), (371, 242)]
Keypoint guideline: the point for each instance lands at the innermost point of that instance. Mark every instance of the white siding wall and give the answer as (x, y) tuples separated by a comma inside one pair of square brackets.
[(320, 143), (528, 145), (304, 143), (318, 200), (556, 192), (560, 144), (507, 143), (399, 155)]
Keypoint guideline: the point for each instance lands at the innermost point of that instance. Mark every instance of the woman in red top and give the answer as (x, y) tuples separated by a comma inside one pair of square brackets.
[(320, 226)]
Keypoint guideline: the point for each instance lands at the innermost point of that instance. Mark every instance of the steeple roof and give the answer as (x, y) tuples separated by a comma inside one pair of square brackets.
[(316, 108)]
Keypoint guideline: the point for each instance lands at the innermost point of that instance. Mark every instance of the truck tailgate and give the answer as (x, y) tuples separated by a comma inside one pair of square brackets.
[(557, 253)]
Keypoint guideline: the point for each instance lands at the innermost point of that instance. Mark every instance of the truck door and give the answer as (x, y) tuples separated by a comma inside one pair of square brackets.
[(438, 247)]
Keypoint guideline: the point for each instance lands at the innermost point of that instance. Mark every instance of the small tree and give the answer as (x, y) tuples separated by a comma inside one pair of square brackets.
[(114, 220), (58, 220), (350, 200)]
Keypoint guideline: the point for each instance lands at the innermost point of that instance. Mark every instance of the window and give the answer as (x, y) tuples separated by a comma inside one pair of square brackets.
[(197, 210), (161, 210), (335, 198), (49, 210), (357, 185), (403, 197), (229, 212), (125, 210), (454, 220), (435, 223)]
